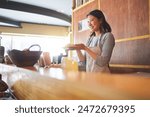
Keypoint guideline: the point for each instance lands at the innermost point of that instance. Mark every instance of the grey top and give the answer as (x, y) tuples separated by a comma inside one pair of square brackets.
[(103, 47)]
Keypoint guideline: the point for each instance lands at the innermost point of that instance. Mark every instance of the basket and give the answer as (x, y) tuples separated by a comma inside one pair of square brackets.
[(26, 57)]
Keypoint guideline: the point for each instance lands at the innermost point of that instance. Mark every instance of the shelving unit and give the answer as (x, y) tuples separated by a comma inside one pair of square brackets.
[(83, 4)]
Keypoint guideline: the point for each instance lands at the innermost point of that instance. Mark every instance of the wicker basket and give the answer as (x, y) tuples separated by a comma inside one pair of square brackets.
[(26, 57)]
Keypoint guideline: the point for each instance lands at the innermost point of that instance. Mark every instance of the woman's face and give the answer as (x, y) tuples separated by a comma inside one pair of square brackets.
[(94, 23)]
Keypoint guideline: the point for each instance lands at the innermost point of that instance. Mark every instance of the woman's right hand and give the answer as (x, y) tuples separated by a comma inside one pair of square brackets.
[(73, 47), (80, 46)]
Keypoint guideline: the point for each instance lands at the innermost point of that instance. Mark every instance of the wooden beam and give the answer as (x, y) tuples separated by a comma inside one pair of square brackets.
[(9, 22), (34, 9)]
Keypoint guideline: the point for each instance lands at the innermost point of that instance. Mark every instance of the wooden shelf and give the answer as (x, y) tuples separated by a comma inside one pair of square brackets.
[(83, 5)]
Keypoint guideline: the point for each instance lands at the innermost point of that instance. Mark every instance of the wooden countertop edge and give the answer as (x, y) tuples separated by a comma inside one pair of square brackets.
[(32, 85)]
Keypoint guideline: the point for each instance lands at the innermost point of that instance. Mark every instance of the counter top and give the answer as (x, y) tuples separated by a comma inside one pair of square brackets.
[(54, 83)]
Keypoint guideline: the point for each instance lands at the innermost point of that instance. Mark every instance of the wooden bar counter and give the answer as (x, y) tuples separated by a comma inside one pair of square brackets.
[(54, 83)]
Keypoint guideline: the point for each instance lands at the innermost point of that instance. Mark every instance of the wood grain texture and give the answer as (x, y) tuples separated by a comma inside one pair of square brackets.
[(124, 70), (132, 52), (29, 85), (128, 18)]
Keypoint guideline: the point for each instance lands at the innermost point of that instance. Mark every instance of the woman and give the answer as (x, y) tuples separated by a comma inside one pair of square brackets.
[(99, 46)]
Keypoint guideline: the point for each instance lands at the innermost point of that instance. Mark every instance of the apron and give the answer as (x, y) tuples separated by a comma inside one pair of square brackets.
[(91, 66)]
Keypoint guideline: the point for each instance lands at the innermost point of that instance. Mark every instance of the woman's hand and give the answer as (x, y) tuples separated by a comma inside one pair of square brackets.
[(80, 46), (75, 47)]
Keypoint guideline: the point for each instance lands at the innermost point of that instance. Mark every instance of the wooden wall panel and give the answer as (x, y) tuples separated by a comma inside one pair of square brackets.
[(123, 70), (78, 15), (135, 52), (128, 18), (149, 16)]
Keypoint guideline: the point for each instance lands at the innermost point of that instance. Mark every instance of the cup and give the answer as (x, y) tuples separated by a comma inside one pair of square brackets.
[(69, 64)]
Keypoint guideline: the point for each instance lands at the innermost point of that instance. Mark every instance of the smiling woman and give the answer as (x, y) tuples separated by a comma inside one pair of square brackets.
[(99, 45)]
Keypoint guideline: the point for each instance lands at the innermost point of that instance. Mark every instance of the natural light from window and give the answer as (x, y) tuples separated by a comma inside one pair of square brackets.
[(52, 44)]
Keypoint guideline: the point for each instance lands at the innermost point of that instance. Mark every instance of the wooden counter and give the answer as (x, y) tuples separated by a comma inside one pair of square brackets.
[(54, 83)]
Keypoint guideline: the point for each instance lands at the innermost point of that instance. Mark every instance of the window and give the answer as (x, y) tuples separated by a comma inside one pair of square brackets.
[(52, 44)]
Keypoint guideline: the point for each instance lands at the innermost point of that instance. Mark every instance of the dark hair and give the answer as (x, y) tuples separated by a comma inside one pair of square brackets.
[(104, 27)]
